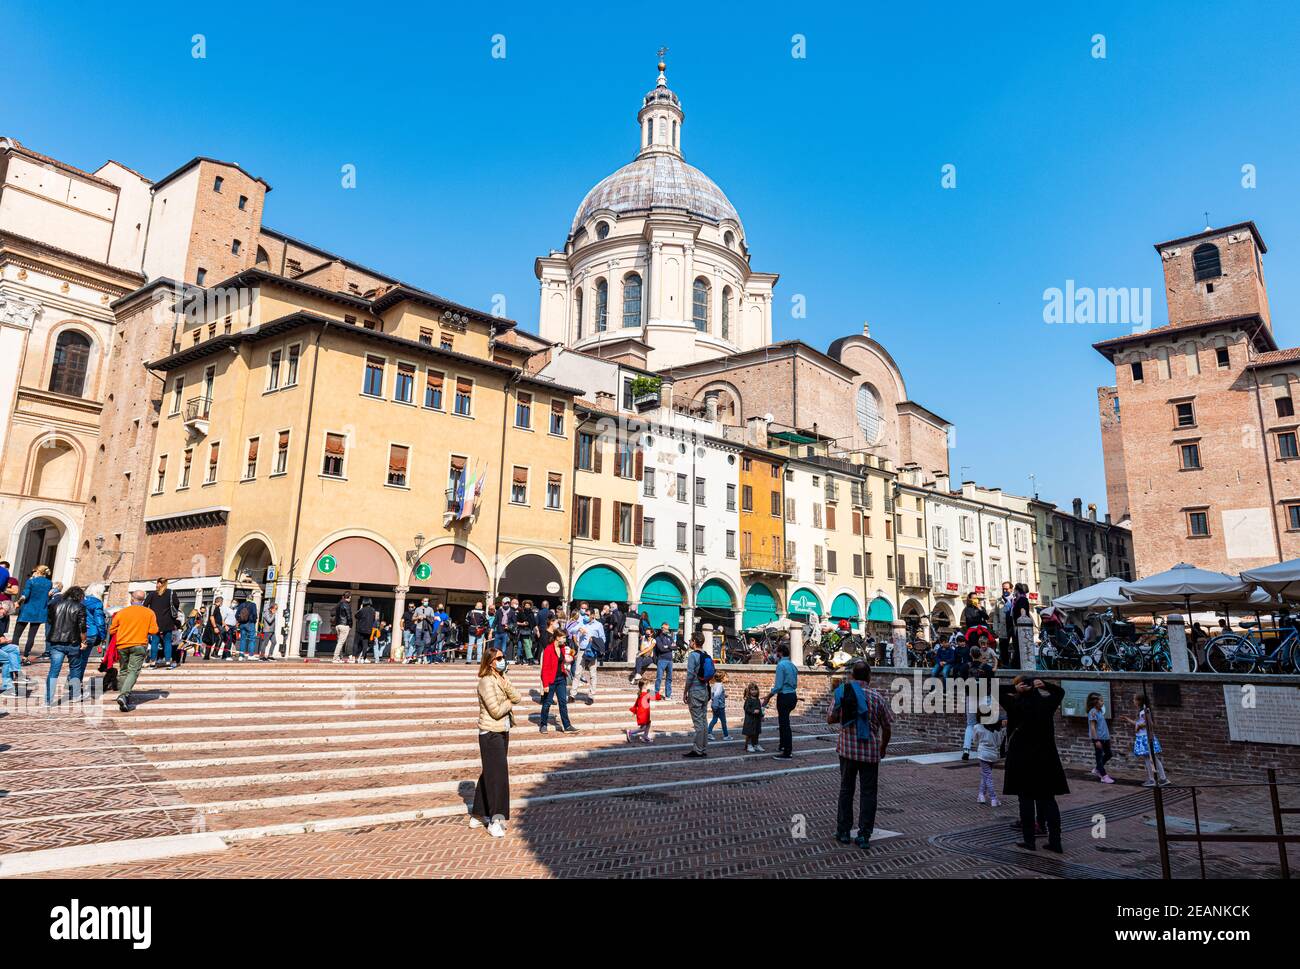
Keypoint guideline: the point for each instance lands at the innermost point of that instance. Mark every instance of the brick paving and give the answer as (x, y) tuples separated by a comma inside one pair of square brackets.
[(236, 749)]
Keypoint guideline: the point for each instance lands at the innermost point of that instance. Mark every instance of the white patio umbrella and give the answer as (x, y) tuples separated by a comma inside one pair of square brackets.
[(1190, 584), (1282, 579), (1105, 594)]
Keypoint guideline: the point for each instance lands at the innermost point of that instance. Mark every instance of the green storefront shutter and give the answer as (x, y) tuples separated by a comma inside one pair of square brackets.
[(845, 608), (880, 611), (600, 583), (803, 602), (760, 607), (661, 600)]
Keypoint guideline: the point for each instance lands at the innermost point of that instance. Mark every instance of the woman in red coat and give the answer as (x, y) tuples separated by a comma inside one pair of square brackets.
[(555, 682)]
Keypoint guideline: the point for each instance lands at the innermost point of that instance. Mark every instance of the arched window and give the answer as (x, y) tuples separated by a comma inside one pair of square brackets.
[(602, 230), (675, 143), (577, 311), (262, 258), (870, 420), (71, 361), (726, 312), (602, 304), (700, 305), (649, 133), (1205, 262), (729, 238), (631, 300)]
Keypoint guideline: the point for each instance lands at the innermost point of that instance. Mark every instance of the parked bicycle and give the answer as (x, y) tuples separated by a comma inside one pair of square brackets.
[(1249, 652)]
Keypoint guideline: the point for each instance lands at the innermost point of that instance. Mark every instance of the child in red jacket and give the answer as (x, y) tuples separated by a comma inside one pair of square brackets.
[(642, 710)]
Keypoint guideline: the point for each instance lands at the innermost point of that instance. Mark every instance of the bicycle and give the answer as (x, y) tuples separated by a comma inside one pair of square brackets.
[(1238, 653)]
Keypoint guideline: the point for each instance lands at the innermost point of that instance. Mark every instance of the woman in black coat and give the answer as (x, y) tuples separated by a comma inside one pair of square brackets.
[(1034, 773)]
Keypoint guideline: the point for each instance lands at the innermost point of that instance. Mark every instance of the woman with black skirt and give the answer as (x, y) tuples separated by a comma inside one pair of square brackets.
[(496, 699)]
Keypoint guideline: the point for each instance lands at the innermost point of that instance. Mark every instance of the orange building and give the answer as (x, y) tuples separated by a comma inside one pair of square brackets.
[(763, 565)]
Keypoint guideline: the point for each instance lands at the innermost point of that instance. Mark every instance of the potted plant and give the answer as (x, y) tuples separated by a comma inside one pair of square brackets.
[(645, 392)]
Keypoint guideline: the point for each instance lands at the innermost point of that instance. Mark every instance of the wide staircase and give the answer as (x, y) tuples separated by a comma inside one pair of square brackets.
[(244, 750)]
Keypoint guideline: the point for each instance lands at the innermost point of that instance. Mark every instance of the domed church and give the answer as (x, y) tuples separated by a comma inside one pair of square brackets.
[(655, 269), (655, 274)]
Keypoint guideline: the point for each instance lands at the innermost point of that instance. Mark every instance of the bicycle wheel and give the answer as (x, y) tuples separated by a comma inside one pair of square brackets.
[(1231, 653)]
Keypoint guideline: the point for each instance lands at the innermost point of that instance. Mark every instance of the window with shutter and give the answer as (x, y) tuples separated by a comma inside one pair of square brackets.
[(186, 461), (398, 456), (519, 486), (464, 396), (161, 476), (557, 417), (282, 453), (214, 452), (250, 466), (553, 486), (335, 447), (433, 381)]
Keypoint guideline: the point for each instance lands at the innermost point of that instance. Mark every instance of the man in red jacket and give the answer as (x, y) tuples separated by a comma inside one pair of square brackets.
[(555, 682)]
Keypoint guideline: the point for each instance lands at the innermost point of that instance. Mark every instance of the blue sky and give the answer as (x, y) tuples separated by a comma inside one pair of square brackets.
[(468, 167)]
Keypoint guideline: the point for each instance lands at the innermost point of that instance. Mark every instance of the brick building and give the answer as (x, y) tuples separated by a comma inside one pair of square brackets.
[(1199, 431)]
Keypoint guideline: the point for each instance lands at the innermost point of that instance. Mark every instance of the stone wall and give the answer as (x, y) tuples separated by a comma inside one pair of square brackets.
[(1193, 732)]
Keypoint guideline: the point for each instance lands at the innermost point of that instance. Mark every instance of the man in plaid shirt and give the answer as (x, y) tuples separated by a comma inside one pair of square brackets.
[(862, 743)]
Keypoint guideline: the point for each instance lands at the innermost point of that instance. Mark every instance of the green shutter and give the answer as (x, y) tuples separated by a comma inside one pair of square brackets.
[(880, 611), (600, 583), (803, 602), (845, 608), (760, 606)]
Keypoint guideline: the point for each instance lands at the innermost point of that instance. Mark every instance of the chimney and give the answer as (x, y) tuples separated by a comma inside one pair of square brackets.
[(711, 408), (1092, 512), (756, 431), (1107, 518), (1078, 507), (941, 482), (968, 489)]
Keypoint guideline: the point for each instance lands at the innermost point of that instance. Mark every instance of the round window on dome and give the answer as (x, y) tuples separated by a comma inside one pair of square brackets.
[(602, 230)]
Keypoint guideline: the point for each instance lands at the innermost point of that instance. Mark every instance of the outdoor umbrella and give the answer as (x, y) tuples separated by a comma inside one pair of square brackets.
[(1103, 595), (1282, 579), (1189, 584)]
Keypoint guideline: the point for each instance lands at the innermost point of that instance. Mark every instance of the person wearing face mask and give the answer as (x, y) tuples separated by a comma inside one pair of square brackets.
[(497, 697)]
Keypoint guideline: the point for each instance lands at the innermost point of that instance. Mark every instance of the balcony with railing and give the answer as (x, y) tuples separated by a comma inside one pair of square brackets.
[(914, 580), (197, 412), (767, 563)]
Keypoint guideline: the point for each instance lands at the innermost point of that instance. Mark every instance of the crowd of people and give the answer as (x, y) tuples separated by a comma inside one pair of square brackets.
[(568, 649)]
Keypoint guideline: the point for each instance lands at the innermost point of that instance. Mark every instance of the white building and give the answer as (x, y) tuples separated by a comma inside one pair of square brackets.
[(655, 269), (689, 492)]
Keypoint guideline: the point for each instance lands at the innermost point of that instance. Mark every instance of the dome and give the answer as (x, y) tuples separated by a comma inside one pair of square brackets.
[(657, 181)]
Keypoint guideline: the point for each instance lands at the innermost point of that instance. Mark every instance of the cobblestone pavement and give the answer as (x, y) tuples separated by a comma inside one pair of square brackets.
[(268, 755)]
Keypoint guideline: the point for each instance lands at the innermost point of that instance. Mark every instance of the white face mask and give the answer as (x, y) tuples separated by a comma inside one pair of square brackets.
[(501, 666)]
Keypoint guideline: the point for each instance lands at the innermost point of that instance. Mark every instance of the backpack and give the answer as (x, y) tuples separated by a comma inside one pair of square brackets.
[(849, 711), (245, 612), (706, 670), (590, 652)]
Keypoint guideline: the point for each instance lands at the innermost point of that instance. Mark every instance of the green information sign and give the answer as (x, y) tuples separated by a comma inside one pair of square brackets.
[(327, 564), (422, 571), (314, 626)]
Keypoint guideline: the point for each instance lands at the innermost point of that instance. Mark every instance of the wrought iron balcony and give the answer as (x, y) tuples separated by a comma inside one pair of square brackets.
[(768, 563)]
